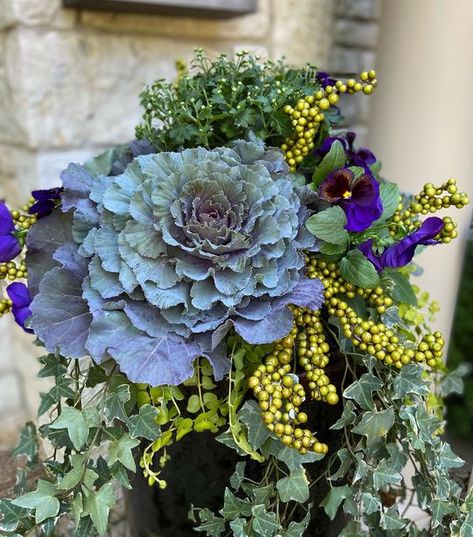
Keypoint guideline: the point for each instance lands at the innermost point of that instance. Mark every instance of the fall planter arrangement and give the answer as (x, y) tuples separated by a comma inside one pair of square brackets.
[(226, 308)]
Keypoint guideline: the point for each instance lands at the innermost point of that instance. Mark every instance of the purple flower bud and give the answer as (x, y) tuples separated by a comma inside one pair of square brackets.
[(401, 253), (20, 296), (9, 244)]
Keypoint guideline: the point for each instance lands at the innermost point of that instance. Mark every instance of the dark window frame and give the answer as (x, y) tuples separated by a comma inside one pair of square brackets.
[(191, 8)]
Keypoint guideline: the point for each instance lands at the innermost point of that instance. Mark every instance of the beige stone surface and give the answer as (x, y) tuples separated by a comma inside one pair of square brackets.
[(35, 12)]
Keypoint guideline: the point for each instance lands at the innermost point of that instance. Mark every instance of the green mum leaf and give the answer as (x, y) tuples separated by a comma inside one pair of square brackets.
[(390, 197), (356, 269), (329, 225)]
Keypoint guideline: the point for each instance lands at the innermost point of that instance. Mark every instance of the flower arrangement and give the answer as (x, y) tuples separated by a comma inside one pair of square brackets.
[(242, 268)]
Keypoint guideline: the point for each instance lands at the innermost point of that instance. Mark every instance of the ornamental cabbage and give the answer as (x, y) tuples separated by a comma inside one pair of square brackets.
[(152, 267)]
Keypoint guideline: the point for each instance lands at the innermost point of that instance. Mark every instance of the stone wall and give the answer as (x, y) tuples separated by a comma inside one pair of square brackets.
[(69, 85)]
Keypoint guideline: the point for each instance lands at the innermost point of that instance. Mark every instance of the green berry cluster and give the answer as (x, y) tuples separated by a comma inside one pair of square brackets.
[(308, 113), (371, 336), (22, 219), (279, 390), (430, 200), (329, 274), (5, 306), (13, 270)]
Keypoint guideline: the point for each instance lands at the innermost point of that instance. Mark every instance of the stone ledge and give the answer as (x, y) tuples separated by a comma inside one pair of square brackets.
[(356, 33), (350, 61), (359, 9), (253, 26)]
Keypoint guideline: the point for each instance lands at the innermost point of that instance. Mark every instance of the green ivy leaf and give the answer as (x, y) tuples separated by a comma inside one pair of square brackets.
[(144, 424), (53, 366), (333, 160), (453, 382), (361, 390), (356, 269), (119, 472), (211, 524), (440, 508), (98, 505), (238, 526), (353, 529), (409, 381), (122, 450), (375, 424), (42, 500), (294, 487), (60, 389), (85, 528), (448, 459), (115, 402), (347, 417), (12, 515), (238, 475), (264, 523), (329, 225), (233, 507), (250, 415), (385, 475), (296, 529), (390, 519), (74, 421), (371, 504), (28, 443), (398, 286), (77, 474), (346, 460), (334, 499), (390, 198)]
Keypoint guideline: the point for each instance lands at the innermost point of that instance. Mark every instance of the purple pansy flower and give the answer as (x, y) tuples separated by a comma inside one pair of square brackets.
[(362, 157), (359, 198), (401, 253), (325, 79), (20, 296), (9, 244), (45, 201)]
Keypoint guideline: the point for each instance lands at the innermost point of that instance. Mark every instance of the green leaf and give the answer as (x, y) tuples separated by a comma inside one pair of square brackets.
[(356, 269), (77, 508), (12, 515), (59, 390), (53, 366), (398, 286), (375, 424), (371, 504), (334, 499), (74, 421), (448, 459), (352, 529), (385, 474), (357, 171), (211, 524), (85, 528), (77, 474), (238, 526), (466, 529), (409, 381), (453, 382), (115, 401), (233, 507), (347, 417), (193, 404), (333, 160), (120, 473), (28, 443), (144, 424), (328, 249), (296, 529), (122, 450), (390, 198), (250, 415), (294, 487), (390, 519), (439, 509), (329, 225), (361, 390), (346, 461), (98, 505), (238, 475), (264, 523), (42, 500)]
